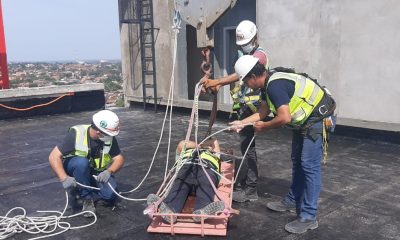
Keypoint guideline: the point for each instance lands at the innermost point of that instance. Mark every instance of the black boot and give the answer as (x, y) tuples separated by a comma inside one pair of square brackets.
[(248, 194)]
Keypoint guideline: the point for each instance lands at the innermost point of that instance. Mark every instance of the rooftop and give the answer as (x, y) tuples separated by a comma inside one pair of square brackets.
[(360, 198)]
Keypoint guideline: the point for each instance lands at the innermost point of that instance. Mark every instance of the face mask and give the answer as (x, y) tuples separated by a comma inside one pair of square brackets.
[(105, 138), (248, 47)]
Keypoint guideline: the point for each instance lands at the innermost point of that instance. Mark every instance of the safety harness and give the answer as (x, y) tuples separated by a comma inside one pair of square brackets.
[(206, 157), (309, 99), (245, 100)]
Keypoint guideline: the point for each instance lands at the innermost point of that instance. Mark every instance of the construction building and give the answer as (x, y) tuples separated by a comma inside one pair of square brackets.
[(350, 46)]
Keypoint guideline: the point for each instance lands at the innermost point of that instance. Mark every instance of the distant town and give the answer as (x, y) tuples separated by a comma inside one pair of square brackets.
[(40, 74)]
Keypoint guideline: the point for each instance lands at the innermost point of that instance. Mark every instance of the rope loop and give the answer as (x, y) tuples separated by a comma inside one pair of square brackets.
[(176, 21)]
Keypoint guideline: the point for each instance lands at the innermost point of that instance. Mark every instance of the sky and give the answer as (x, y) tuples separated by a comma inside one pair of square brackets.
[(56, 30)]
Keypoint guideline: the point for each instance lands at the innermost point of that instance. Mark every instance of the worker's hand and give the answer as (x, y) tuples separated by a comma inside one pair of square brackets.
[(211, 83), (104, 176), (259, 126), (68, 182), (236, 125)]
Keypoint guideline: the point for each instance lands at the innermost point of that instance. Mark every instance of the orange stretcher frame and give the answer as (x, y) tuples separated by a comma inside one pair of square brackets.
[(215, 225)]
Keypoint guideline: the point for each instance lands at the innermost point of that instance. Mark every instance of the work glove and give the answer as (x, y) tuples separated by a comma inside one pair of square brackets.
[(68, 182), (236, 126), (104, 176)]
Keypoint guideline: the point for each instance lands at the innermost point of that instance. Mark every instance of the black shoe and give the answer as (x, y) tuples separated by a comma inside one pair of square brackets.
[(301, 225), (88, 205), (281, 206), (74, 200), (152, 198), (209, 209), (248, 194)]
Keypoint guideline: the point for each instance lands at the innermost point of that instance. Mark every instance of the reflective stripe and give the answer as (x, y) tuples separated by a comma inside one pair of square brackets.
[(314, 95), (298, 114), (302, 85), (81, 138)]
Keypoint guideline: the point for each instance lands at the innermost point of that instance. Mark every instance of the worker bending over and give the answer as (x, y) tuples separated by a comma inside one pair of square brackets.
[(301, 103), (191, 178), (89, 150)]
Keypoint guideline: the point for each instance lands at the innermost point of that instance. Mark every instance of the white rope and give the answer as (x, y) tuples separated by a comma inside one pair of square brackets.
[(13, 223), (129, 199), (175, 27), (244, 155)]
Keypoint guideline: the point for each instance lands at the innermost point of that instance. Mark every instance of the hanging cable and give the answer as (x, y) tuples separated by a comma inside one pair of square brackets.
[(175, 27), (36, 106)]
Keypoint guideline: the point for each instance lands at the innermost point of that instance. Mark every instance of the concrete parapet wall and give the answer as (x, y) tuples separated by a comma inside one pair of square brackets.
[(39, 101)]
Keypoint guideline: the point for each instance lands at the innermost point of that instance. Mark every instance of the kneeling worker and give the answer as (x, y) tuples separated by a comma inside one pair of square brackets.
[(192, 178), (89, 150)]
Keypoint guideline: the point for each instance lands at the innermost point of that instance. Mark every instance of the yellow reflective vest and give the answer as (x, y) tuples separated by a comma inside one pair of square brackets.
[(241, 95), (82, 148), (204, 155), (307, 94)]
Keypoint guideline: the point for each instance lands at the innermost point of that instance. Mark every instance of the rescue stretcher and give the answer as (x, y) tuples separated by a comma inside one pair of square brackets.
[(215, 225)]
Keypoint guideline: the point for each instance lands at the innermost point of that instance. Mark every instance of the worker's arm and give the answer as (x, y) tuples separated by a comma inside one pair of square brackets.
[(55, 159), (217, 83), (282, 118), (118, 162)]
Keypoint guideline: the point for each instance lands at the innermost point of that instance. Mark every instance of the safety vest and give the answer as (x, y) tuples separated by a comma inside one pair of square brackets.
[(204, 155), (242, 95), (307, 95), (82, 148)]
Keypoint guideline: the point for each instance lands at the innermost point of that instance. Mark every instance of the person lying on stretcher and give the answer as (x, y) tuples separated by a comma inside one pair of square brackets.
[(191, 178)]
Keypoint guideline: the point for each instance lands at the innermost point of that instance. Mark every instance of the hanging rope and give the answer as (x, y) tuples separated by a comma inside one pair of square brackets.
[(175, 27), (37, 106)]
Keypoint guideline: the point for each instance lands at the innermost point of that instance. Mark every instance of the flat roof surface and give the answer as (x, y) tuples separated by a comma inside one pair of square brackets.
[(360, 198)]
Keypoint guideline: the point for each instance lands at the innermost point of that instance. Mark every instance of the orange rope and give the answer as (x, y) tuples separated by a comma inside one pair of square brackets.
[(39, 105)]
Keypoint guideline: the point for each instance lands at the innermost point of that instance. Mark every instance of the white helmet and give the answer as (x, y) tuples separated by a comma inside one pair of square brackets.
[(107, 122), (244, 65), (245, 32)]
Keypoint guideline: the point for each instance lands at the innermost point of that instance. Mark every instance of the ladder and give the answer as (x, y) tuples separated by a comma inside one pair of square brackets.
[(144, 18)]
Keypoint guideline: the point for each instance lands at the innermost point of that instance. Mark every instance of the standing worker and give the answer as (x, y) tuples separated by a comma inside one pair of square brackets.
[(245, 103), (89, 150), (300, 102)]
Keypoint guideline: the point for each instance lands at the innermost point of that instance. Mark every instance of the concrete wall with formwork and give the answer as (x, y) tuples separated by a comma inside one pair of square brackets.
[(27, 102), (348, 45), (130, 47), (164, 48)]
